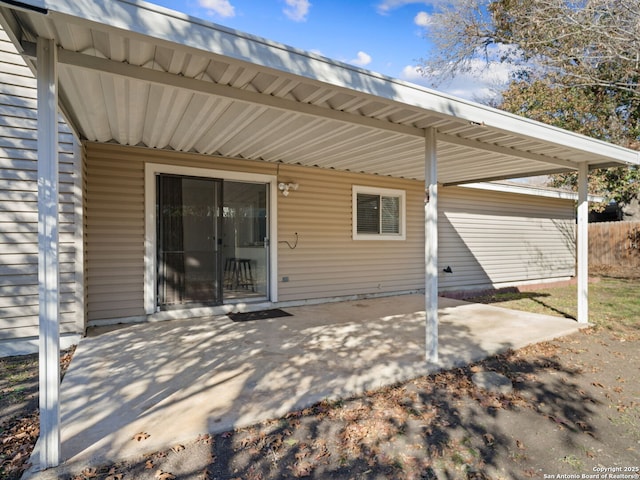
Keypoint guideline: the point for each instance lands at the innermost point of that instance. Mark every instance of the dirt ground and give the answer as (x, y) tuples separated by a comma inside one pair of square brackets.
[(574, 411)]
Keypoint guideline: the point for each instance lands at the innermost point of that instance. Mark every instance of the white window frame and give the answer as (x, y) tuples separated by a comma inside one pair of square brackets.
[(383, 192)]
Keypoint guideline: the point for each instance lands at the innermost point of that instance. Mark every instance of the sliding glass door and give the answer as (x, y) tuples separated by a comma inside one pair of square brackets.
[(212, 241), (188, 240), (245, 240)]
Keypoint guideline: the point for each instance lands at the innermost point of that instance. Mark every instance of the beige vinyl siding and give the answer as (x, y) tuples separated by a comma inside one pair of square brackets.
[(327, 262), (492, 238), (19, 207), (115, 221), (488, 238)]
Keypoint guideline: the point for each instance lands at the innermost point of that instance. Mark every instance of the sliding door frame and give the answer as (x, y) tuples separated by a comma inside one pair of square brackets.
[(150, 257)]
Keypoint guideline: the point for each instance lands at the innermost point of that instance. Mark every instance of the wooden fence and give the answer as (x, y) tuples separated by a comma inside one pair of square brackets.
[(614, 244)]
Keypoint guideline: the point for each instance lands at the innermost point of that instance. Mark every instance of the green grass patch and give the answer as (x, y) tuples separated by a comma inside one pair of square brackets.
[(613, 302)]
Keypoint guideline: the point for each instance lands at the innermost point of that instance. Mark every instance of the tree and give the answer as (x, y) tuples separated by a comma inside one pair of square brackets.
[(576, 64), (580, 42), (592, 111)]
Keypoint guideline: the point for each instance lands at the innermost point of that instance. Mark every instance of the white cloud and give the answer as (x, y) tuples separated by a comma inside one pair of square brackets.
[(362, 59), (411, 73), (480, 83), (221, 8), (297, 10), (385, 6), (423, 19)]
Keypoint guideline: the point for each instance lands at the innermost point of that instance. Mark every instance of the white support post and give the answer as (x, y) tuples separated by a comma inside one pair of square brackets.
[(582, 241), (431, 245), (48, 264)]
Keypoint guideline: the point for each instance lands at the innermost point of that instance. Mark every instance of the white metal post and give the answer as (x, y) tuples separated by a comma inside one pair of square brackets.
[(582, 241), (431, 245), (48, 263)]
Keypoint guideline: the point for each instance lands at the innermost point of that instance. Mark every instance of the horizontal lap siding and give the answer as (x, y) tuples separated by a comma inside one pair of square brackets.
[(486, 237), (115, 222), (491, 238), (114, 229), (19, 207), (327, 262)]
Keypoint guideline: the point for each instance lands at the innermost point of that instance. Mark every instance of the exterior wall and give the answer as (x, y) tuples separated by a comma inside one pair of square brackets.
[(115, 222), (325, 263), (19, 210), (488, 238), (493, 239)]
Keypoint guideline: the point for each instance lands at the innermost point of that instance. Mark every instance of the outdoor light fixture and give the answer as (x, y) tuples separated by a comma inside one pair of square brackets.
[(285, 187)]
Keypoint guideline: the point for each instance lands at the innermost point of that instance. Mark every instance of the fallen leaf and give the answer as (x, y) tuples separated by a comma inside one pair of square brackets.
[(558, 420), (141, 436), (520, 445), (582, 425), (597, 384), (206, 439), (149, 465), (302, 469), (90, 472), (490, 439), (177, 448), (162, 475)]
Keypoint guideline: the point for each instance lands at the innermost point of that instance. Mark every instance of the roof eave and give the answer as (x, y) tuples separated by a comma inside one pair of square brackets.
[(164, 24)]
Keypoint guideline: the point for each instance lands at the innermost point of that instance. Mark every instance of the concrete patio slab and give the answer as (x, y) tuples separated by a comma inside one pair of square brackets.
[(176, 380)]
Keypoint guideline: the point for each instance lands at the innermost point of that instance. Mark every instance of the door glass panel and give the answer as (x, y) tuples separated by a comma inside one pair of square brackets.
[(245, 240), (188, 254)]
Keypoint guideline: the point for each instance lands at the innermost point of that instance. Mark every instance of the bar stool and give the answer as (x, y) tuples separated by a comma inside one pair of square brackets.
[(244, 278), (238, 274)]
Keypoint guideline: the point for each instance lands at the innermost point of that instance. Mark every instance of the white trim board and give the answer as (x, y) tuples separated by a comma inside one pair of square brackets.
[(533, 190)]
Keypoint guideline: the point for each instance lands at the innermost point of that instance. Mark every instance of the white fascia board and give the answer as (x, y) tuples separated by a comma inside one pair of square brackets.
[(530, 190), (182, 30)]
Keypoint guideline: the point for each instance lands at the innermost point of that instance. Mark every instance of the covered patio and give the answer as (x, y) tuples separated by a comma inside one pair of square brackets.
[(176, 380), (135, 74)]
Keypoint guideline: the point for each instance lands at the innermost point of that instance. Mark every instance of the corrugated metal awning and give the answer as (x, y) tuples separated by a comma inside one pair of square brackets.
[(138, 74)]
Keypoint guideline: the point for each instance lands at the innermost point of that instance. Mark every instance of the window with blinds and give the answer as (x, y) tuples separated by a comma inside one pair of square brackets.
[(378, 213)]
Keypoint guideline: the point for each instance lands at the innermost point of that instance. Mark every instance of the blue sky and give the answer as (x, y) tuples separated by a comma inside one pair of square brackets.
[(386, 36)]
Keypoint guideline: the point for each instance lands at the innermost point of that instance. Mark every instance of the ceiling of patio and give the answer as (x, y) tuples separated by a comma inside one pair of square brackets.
[(142, 75)]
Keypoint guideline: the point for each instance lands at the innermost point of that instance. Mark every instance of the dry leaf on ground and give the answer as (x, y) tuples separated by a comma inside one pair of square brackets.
[(162, 475), (141, 436)]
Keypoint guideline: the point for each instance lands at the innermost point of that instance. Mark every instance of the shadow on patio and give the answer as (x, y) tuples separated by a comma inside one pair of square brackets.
[(176, 380)]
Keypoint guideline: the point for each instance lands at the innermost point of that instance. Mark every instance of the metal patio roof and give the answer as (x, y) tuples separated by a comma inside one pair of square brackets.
[(137, 74)]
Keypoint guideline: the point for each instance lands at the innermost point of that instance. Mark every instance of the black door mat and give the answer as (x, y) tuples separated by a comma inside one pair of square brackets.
[(259, 315)]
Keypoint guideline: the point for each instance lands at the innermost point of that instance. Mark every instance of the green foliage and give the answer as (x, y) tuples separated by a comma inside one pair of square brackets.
[(594, 111), (613, 116)]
